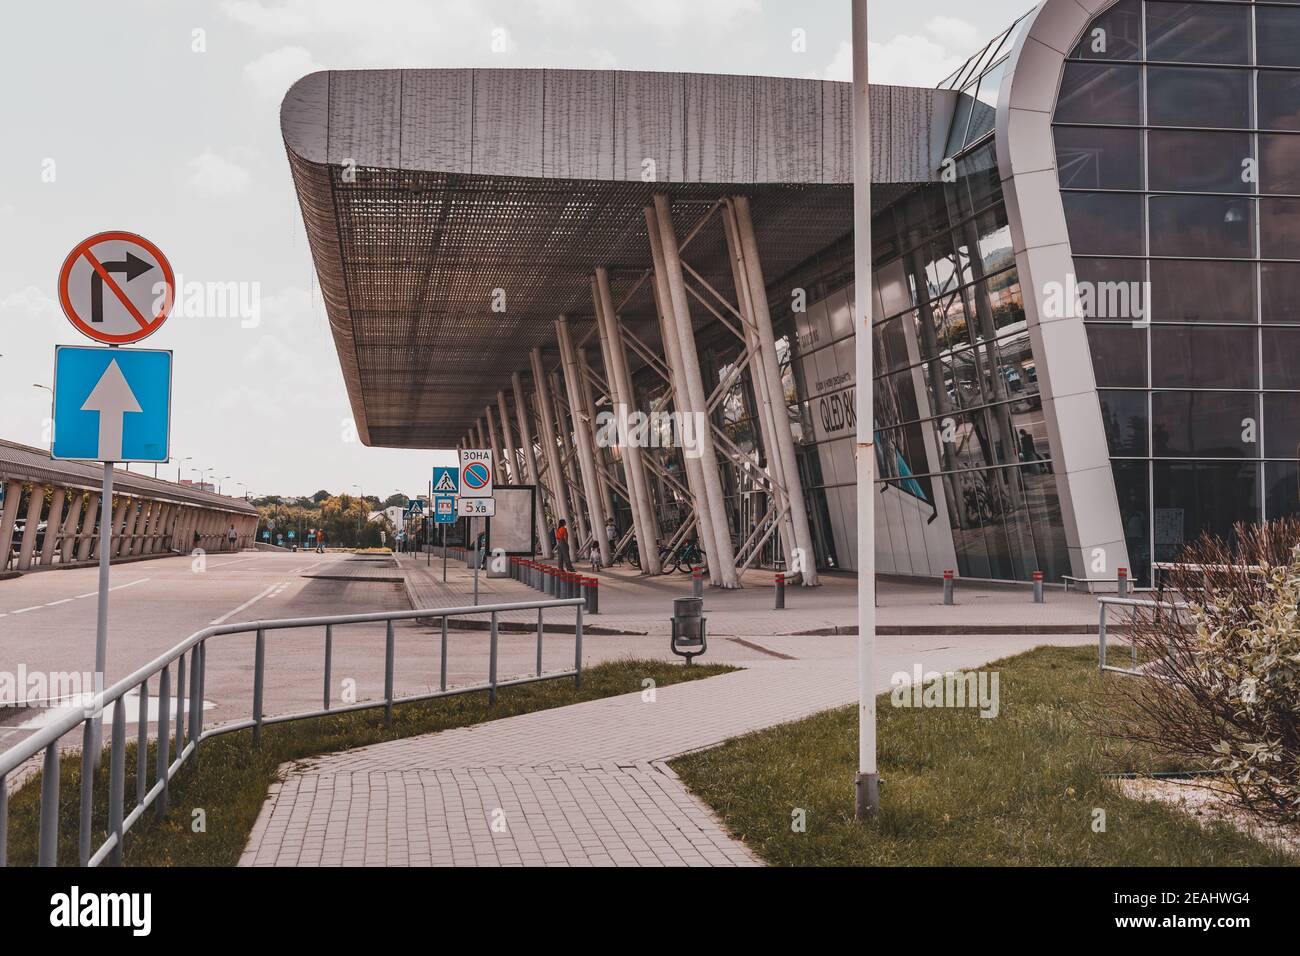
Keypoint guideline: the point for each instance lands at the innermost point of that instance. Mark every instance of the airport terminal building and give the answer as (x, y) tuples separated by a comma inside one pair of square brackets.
[(1086, 292)]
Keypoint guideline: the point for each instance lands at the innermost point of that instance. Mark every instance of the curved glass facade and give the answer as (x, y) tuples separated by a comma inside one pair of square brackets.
[(1177, 136)]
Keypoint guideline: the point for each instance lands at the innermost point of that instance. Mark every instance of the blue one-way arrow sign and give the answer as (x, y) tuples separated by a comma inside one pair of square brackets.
[(112, 404)]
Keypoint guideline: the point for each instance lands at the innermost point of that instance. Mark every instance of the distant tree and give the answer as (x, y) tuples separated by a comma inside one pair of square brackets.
[(321, 496), (395, 499)]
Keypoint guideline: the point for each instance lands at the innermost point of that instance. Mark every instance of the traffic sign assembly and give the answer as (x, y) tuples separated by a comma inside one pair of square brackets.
[(111, 404), (477, 507), (116, 287), (444, 509)]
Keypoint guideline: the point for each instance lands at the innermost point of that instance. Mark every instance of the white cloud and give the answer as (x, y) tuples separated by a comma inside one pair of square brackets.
[(214, 177), (912, 59), (273, 73)]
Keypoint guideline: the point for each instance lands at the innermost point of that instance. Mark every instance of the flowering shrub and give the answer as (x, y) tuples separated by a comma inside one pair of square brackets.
[(1221, 688)]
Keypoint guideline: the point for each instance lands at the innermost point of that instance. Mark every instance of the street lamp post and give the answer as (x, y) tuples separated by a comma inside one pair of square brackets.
[(867, 782), (179, 462)]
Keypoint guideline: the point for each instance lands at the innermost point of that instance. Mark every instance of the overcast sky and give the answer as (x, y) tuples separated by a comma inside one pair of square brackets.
[(121, 116)]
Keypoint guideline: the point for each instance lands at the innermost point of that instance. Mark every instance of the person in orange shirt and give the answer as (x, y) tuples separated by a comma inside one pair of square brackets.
[(562, 546)]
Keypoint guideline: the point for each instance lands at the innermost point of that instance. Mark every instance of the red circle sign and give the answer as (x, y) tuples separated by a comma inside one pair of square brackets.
[(116, 287)]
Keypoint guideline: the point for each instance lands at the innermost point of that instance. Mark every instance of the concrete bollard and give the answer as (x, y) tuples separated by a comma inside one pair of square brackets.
[(780, 592), (1122, 586), (947, 586), (593, 595), (1038, 587), (697, 583)]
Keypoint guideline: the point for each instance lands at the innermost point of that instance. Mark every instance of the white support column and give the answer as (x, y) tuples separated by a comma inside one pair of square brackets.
[(34, 503), (530, 459), (68, 537), (769, 366), (725, 555), (508, 440), (577, 507), (86, 532), (53, 526), (681, 400), (583, 436), (600, 453), (768, 419), (498, 468), (621, 394), (546, 420), (9, 518), (118, 537)]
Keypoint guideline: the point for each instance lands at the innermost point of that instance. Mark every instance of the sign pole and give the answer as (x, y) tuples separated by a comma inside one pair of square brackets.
[(867, 782), (101, 623), (473, 526)]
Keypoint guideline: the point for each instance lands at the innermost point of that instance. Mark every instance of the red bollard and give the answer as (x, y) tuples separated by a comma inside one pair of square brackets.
[(947, 586), (780, 592)]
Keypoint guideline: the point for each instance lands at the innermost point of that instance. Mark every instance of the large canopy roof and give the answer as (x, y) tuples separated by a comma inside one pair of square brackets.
[(426, 191)]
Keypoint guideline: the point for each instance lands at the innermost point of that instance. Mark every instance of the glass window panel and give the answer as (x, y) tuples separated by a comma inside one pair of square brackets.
[(1183, 291), (1191, 96), (984, 109), (1281, 358), (1092, 158), (993, 233), (977, 184), (1204, 424), (1279, 163), (1198, 32), (1282, 425), (1005, 299), (1277, 36), (960, 121), (1104, 274), (1212, 227), (1198, 161), (1282, 487), (1124, 415), (1279, 100), (1120, 36), (1119, 355), (1097, 93), (1279, 228), (1104, 223), (1203, 357), (1133, 487), (1196, 497), (1280, 287)]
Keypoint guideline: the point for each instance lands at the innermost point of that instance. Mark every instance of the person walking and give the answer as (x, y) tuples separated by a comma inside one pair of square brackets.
[(562, 546), (232, 536)]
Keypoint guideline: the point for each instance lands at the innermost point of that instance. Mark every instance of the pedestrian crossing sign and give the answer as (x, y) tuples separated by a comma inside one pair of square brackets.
[(446, 481)]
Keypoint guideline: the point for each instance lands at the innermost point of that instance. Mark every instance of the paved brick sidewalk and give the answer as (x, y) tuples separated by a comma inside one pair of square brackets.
[(584, 784)]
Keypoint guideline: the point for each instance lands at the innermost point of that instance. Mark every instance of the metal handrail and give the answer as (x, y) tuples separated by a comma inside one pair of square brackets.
[(1102, 604), (195, 646)]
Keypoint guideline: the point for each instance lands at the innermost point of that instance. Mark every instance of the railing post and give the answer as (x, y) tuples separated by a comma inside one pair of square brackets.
[(117, 780), (442, 668), (164, 737), (259, 667), (577, 650), (492, 663), (48, 852), (196, 701), (540, 612), (88, 763), (142, 745), (1101, 637), (329, 662), (388, 674), (180, 705)]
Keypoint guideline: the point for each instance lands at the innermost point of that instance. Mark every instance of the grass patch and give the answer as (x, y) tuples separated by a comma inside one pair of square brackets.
[(1019, 789), (231, 779)]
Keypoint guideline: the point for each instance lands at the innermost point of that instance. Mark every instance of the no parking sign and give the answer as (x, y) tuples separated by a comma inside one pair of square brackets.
[(476, 473)]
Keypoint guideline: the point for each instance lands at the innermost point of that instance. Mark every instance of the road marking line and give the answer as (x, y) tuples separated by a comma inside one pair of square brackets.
[(24, 610), (249, 603), (57, 603)]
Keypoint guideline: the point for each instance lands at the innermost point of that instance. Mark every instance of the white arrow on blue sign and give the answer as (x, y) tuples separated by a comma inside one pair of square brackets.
[(112, 404)]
